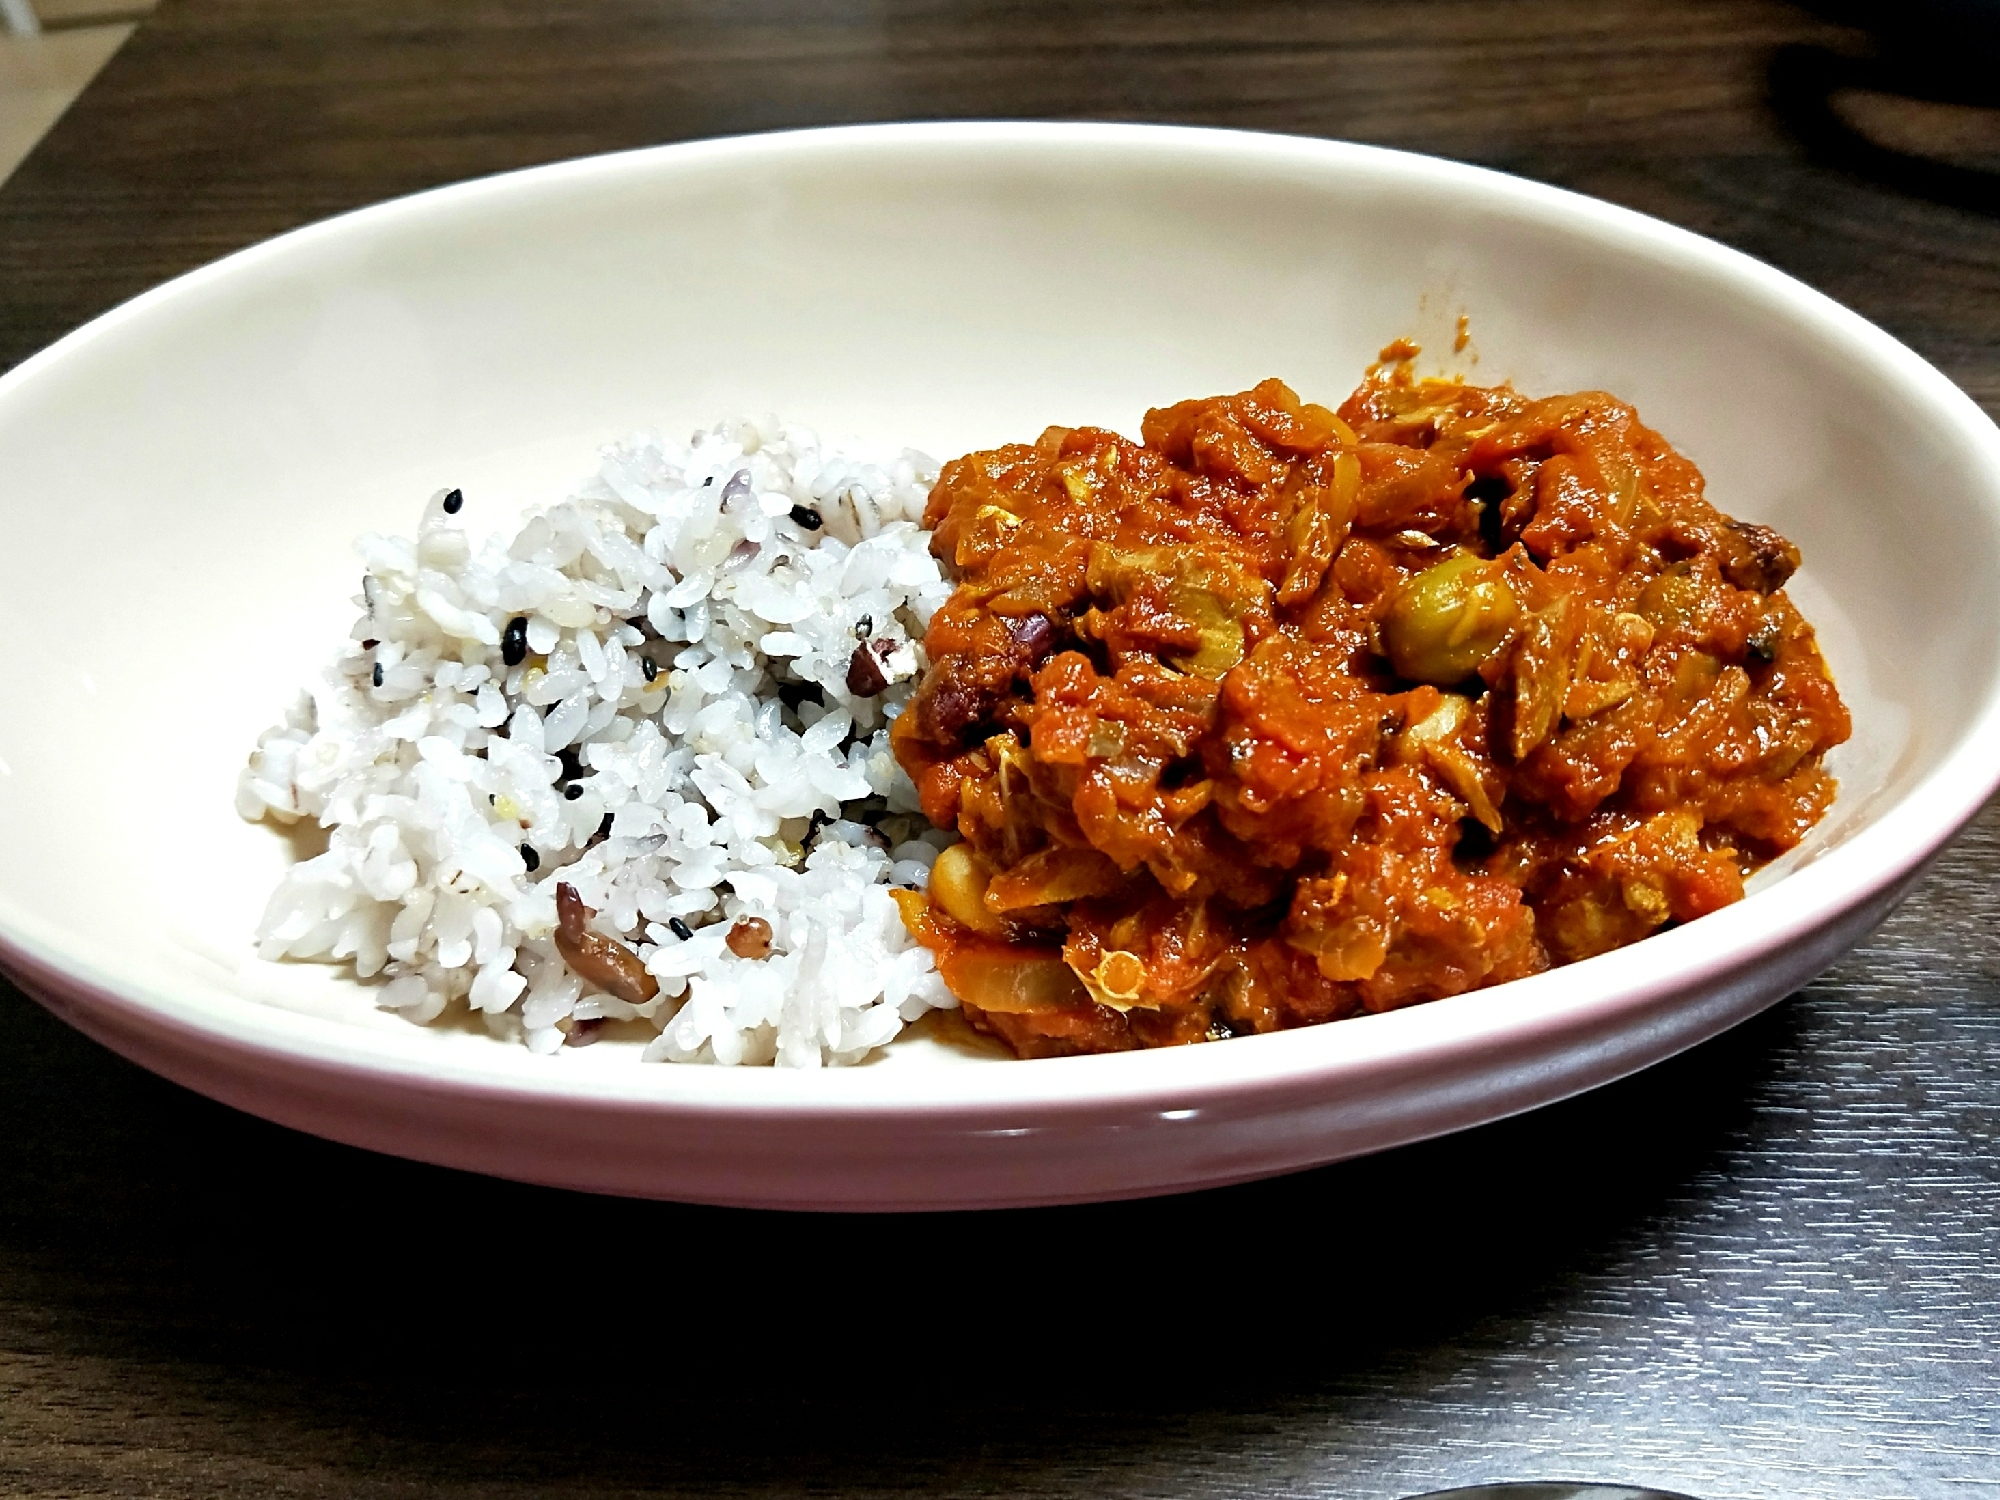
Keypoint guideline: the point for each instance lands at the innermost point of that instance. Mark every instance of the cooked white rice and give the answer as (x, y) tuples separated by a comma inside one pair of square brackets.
[(722, 788)]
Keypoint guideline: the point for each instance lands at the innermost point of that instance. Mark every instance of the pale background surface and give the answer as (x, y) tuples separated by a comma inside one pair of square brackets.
[(41, 75)]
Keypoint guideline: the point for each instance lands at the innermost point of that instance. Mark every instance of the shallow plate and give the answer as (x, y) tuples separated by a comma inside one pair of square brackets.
[(182, 478)]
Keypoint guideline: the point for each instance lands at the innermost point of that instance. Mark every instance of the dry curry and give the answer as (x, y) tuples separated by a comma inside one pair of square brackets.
[(1284, 715)]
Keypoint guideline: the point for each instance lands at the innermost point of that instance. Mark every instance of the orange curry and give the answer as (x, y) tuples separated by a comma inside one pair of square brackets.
[(1284, 715)]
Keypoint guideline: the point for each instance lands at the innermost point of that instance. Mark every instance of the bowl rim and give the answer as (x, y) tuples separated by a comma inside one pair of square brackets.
[(1595, 997)]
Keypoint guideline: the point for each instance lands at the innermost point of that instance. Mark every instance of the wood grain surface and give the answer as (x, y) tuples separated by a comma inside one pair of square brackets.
[(1767, 1269)]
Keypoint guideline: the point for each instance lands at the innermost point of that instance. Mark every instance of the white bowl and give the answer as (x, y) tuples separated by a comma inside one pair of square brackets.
[(183, 477)]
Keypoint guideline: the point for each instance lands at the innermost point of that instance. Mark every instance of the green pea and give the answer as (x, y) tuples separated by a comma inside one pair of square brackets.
[(1448, 619)]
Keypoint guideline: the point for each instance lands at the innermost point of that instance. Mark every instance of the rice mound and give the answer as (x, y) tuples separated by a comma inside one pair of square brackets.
[(678, 741)]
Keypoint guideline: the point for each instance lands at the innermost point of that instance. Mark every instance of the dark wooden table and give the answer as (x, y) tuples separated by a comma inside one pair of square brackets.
[(1766, 1269)]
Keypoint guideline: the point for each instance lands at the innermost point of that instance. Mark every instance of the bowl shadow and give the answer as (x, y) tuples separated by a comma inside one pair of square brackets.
[(1915, 108), (363, 1314)]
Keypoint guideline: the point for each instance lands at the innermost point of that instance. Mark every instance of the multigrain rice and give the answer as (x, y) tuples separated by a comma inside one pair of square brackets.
[(663, 692)]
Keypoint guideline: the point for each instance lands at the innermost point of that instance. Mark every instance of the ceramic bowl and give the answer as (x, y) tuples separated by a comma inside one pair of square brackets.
[(181, 481)]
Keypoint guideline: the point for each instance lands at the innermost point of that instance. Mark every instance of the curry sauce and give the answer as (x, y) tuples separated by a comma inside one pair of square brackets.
[(1283, 715)]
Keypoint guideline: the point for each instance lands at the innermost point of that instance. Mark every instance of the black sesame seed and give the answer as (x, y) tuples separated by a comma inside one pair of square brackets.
[(453, 499), (650, 667), (863, 627), (514, 641), (531, 859), (573, 791), (376, 675), (807, 517), (679, 928)]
